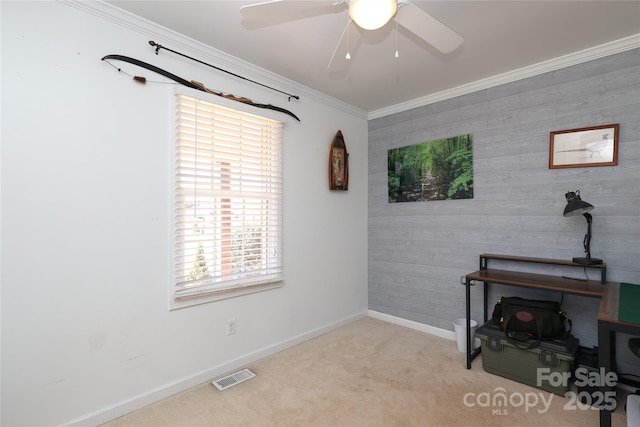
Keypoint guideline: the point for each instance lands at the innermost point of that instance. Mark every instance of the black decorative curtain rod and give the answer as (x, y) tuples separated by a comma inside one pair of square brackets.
[(159, 46)]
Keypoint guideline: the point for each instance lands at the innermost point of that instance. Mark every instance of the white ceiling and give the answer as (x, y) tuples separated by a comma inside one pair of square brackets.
[(499, 37)]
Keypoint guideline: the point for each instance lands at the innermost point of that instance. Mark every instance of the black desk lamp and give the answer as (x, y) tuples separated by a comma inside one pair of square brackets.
[(576, 206)]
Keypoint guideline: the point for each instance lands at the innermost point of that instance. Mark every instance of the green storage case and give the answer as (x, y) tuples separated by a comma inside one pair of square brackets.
[(555, 359)]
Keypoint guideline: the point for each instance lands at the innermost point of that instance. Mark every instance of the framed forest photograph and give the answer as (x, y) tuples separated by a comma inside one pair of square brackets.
[(434, 170)]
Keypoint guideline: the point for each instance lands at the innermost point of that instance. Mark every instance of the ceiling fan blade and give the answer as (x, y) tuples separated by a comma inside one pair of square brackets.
[(277, 11), (428, 28), (349, 42)]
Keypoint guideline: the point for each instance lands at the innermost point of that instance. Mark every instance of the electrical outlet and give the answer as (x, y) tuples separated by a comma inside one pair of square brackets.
[(231, 326)]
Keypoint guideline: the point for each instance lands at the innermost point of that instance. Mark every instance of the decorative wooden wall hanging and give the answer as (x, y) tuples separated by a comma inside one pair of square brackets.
[(338, 164)]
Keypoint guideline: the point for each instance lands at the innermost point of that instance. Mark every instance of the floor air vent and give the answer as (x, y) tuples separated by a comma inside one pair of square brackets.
[(233, 379)]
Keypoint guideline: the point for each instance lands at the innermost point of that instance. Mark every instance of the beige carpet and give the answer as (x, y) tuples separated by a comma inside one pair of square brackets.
[(368, 373)]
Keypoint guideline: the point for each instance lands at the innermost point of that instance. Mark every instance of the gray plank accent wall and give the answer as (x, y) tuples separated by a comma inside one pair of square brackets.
[(418, 251)]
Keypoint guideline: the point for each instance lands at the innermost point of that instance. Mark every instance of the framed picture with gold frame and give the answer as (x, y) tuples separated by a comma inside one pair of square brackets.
[(584, 147)]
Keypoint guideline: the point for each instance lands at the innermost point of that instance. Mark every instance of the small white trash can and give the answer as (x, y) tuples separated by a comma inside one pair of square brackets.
[(633, 410), (460, 327)]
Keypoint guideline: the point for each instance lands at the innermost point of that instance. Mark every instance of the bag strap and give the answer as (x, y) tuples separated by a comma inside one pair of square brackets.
[(514, 337), (566, 316), (497, 315), (511, 340)]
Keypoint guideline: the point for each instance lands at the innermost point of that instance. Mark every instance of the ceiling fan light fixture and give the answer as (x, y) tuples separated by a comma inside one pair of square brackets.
[(372, 14)]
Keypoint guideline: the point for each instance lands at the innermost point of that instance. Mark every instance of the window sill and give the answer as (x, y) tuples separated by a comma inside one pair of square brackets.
[(197, 299)]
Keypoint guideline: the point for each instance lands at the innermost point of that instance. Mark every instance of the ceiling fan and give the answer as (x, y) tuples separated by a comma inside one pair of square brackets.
[(366, 14)]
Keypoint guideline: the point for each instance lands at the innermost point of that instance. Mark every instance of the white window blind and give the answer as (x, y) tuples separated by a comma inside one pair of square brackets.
[(227, 201)]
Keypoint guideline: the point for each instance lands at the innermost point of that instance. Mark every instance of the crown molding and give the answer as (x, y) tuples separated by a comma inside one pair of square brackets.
[(114, 14), (622, 45), (133, 22)]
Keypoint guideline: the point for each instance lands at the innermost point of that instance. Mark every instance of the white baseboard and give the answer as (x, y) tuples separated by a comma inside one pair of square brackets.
[(138, 402), (432, 330), (110, 413)]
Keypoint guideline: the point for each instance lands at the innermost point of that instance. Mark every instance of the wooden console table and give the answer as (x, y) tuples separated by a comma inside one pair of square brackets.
[(486, 275), (608, 322)]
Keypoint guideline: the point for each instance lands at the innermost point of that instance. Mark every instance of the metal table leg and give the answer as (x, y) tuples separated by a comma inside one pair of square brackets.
[(472, 354), (606, 352)]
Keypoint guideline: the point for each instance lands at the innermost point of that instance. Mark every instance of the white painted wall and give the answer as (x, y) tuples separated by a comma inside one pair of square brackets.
[(86, 330)]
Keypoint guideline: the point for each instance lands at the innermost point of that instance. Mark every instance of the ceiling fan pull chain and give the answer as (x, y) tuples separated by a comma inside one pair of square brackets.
[(397, 54), (348, 55)]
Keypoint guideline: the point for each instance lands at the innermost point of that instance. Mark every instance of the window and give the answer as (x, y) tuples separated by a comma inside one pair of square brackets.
[(227, 226)]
